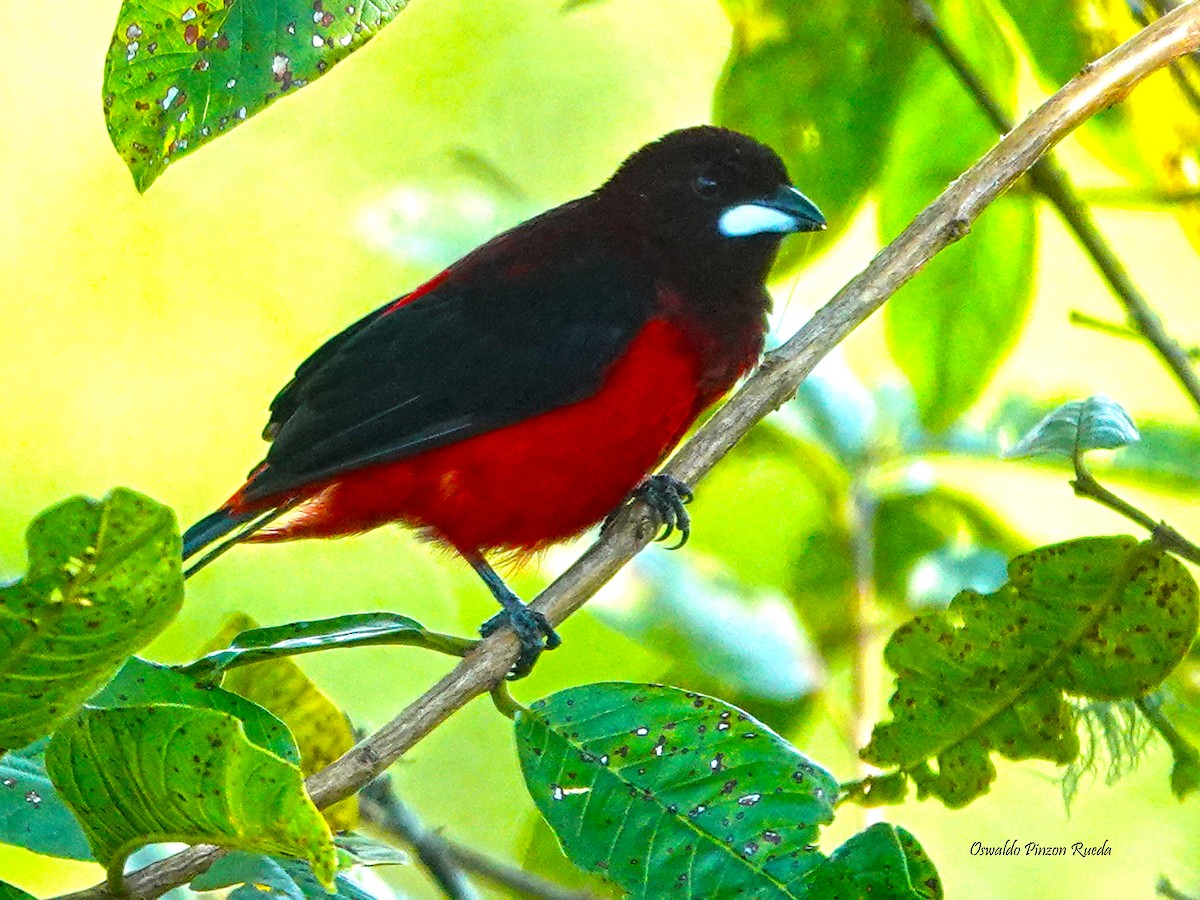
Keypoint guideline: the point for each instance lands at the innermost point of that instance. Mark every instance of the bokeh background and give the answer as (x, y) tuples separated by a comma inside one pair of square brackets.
[(143, 337)]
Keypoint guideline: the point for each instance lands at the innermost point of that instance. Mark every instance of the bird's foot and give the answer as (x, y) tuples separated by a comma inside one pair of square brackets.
[(667, 496), (533, 631)]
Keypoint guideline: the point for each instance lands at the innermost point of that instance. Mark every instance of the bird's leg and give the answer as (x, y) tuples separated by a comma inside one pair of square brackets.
[(667, 496), (530, 626)]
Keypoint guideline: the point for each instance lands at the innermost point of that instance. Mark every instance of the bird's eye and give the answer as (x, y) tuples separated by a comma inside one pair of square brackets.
[(705, 186)]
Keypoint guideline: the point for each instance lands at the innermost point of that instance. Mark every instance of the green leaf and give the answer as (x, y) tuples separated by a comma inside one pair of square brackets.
[(883, 861), (1104, 618), (143, 683), (149, 774), (364, 850), (953, 324), (8, 892), (828, 114), (661, 790), (273, 878), (276, 683), (32, 814), (179, 73), (1096, 423), (352, 630), (104, 579)]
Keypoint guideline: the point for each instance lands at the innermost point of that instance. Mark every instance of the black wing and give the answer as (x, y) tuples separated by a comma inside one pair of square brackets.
[(474, 354)]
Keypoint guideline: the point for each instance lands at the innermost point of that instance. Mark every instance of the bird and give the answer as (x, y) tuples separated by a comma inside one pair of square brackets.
[(530, 389)]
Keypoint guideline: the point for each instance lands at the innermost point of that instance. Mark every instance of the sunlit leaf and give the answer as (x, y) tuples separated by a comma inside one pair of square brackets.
[(1103, 618), (32, 814), (1096, 423), (321, 729), (148, 774), (665, 790), (143, 683), (8, 892), (953, 324), (104, 578), (829, 114), (181, 72)]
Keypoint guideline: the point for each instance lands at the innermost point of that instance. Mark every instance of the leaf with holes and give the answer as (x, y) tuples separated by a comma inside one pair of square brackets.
[(104, 579), (148, 774), (1103, 618), (1096, 423), (953, 324), (32, 814), (832, 123), (661, 790), (179, 73)]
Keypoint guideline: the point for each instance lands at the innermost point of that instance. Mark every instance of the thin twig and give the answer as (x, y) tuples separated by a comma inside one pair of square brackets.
[(1051, 181), (1138, 197), (1164, 888), (379, 805), (1116, 329), (944, 221), (1086, 485), (446, 859)]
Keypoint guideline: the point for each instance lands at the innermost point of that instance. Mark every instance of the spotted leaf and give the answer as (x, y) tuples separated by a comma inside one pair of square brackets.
[(1102, 618), (181, 72), (664, 791)]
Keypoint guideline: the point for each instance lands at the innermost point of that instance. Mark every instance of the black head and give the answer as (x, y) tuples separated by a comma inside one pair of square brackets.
[(711, 205)]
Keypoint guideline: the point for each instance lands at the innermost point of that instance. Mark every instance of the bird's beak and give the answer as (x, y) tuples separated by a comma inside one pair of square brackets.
[(784, 212)]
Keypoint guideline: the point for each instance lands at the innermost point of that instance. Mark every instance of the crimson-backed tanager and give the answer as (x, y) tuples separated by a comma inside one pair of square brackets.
[(526, 392)]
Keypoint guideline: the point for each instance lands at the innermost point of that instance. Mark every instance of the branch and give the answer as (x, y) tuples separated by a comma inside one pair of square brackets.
[(383, 809), (1086, 485), (1051, 181), (946, 220)]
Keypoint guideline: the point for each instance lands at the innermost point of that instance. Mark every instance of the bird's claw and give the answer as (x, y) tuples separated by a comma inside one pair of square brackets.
[(667, 496), (533, 631)]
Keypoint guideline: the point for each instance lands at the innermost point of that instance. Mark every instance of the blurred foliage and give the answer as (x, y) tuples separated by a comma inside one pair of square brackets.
[(189, 306), (833, 121), (952, 325)]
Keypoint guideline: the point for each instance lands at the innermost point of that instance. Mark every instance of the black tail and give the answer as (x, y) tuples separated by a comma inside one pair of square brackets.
[(216, 525), (210, 528)]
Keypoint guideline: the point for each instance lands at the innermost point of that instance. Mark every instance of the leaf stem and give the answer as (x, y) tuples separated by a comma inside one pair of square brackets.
[(1086, 485), (1051, 181)]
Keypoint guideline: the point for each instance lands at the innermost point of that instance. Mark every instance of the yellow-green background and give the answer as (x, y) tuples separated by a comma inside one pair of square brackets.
[(141, 338)]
